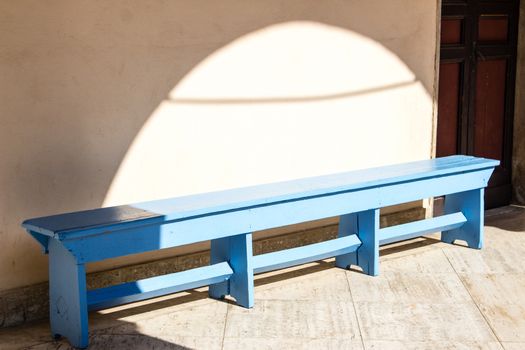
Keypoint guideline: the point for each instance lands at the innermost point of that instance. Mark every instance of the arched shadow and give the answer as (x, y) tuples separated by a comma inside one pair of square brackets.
[(236, 115)]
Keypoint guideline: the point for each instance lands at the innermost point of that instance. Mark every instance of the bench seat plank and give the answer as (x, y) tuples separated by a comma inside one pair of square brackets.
[(181, 208), (139, 236)]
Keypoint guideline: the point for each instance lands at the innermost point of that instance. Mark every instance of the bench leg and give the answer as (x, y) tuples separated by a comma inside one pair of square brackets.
[(237, 250), (471, 204), (67, 296), (366, 225)]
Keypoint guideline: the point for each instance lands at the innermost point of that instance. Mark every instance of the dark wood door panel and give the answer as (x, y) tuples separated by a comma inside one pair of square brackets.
[(489, 108), (448, 106), (493, 28), (451, 31), (476, 89)]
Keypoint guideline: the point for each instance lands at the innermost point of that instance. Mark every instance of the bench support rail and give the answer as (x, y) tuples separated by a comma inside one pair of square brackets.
[(308, 253), (157, 286), (421, 227), (366, 225), (237, 250), (471, 204)]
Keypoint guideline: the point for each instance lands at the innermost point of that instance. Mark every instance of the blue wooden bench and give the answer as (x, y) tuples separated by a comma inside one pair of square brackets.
[(228, 218)]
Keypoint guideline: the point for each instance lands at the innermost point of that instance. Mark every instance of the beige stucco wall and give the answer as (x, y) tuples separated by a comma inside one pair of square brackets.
[(518, 152), (105, 102)]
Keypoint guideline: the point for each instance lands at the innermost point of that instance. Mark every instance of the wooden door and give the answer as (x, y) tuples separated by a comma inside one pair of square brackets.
[(476, 86)]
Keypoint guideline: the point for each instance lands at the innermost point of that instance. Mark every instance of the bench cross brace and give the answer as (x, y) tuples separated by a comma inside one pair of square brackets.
[(366, 225)]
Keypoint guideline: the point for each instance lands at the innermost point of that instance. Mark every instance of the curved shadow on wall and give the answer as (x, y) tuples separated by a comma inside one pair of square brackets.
[(235, 115)]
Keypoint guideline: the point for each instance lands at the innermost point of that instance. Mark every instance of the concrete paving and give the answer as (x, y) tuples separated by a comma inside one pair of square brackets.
[(429, 295)]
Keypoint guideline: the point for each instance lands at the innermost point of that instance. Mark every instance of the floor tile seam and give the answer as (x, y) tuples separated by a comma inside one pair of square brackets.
[(469, 302), (337, 337), (414, 273), (467, 341), (355, 309), (437, 340), (312, 300), (473, 299), (440, 340), (148, 335), (416, 302), (445, 338), (497, 303), (511, 273), (225, 325), (497, 272)]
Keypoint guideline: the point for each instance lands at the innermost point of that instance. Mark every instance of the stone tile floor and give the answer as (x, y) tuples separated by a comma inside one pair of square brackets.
[(429, 295)]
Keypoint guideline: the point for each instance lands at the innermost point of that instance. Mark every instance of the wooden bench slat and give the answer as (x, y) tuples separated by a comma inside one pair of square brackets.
[(242, 198), (49, 225)]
